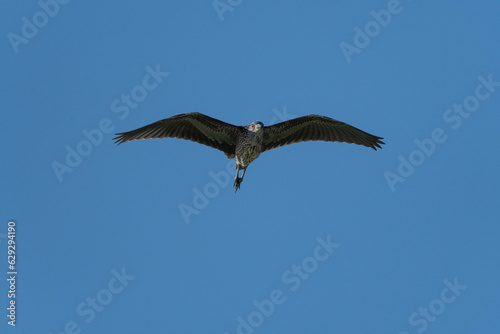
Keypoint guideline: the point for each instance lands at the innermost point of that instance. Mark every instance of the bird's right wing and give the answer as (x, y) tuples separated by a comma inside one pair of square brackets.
[(315, 127), (192, 126)]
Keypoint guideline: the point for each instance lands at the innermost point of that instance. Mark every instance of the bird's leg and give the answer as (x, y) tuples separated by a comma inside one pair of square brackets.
[(237, 179)]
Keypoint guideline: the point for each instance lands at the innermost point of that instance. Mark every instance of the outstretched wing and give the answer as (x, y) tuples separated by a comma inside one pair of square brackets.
[(192, 126), (315, 127)]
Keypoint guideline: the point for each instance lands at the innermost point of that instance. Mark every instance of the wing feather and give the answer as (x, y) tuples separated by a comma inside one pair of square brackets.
[(315, 127), (191, 126)]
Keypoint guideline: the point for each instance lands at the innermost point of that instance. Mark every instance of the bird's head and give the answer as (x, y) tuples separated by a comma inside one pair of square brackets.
[(256, 127)]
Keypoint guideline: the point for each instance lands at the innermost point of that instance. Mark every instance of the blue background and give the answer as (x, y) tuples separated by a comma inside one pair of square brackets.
[(120, 207)]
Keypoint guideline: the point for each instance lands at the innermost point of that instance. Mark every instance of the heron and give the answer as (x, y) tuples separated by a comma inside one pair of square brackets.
[(247, 142)]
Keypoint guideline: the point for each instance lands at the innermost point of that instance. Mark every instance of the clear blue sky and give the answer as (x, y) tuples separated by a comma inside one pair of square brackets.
[(321, 238)]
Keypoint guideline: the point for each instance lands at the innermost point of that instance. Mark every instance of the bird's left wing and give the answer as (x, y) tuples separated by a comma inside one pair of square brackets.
[(191, 126), (315, 127)]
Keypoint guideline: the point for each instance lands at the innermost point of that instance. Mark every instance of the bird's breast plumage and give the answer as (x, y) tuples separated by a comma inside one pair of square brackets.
[(248, 148)]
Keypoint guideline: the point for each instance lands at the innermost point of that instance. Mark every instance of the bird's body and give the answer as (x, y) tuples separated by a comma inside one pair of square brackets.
[(246, 143), (248, 148)]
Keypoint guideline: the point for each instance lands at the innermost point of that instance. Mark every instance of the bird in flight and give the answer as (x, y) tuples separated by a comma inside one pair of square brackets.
[(247, 142)]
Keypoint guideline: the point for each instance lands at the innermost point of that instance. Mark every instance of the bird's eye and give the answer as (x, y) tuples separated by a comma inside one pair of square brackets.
[(253, 126)]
